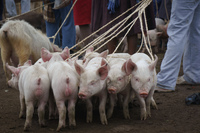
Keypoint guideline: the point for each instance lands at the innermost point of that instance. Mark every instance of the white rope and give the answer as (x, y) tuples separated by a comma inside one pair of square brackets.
[(133, 22)]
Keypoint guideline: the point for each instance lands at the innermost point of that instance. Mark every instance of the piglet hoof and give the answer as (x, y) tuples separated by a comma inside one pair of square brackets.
[(21, 116), (154, 105), (127, 116), (27, 127), (143, 116), (43, 125), (104, 121), (89, 119), (72, 125), (109, 114)]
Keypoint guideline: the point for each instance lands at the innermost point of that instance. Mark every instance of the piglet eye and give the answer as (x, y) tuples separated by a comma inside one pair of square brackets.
[(93, 82), (137, 79), (120, 78), (149, 80)]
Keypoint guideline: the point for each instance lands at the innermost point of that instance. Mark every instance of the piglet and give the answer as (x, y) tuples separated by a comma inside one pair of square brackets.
[(93, 83), (118, 84), (143, 80), (33, 84), (64, 83)]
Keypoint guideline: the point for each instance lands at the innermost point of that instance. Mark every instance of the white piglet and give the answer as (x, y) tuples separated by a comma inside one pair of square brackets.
[(93, 83), (118, 84), (143, 80), (34, 85), (64, 83)]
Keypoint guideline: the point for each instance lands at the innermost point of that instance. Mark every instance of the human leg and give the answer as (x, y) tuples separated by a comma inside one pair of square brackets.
[(11, 8), (25, 6), (1, 9), (68, 29), (181, 17), (52, 28), (191, 60), (132, 44), (111, 45)]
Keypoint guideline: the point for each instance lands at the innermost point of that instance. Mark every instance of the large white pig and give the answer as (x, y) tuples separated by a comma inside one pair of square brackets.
[(34, 85), (64, 83), (118, 84), (93, 83), (143, 80), (19, 41)]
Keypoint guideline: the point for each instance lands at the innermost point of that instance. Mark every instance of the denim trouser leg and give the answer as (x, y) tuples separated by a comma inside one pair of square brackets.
[(191, 58), (178, 30), (51, 29), (68, 29), (25, 6), (11, 8)]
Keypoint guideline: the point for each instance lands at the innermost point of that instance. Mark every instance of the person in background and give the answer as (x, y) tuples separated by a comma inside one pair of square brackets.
[(1, 9), (54, 18), (184, 40), (11, 7), (82, 18), (103, 13)]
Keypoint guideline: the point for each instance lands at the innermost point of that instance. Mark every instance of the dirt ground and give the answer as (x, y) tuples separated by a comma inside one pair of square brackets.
[(172, 116)]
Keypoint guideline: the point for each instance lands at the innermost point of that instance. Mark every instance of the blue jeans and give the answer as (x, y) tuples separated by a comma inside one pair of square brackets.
[(68, 29), (11, 7), (184, 40)]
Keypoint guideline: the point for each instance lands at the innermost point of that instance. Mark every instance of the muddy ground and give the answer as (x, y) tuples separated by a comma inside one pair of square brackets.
[(172, 116)]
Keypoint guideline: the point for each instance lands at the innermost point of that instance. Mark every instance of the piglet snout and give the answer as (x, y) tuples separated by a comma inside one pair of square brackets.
[(144, 94), (112, 90), (81, 95)]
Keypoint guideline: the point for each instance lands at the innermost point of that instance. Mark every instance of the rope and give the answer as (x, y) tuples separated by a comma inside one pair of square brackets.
[(157, 14), (141, 9), (124, 20), (54, 37), (26, 12), (106, 25), (166, 10)]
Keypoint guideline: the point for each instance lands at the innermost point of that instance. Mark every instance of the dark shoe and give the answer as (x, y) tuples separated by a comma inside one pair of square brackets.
[(193, 99)]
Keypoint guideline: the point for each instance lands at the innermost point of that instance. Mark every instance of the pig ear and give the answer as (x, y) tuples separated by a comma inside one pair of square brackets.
[(104, 54), (45, 54), (28, 63), (65, 53), (153, 64), (124, 67), (103, 70), (90, 49), (130, 66), (79, 69), (158, 34), (14, 70)]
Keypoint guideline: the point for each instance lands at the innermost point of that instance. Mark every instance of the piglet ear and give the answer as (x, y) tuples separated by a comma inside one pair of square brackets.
[(103, 70), (153, 64), (45, 54), (123, 68), (103, 54), (130, 66), (79, 69), (159, 34), (13, 69), (65, 53), (90, 49), (28, 63)]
